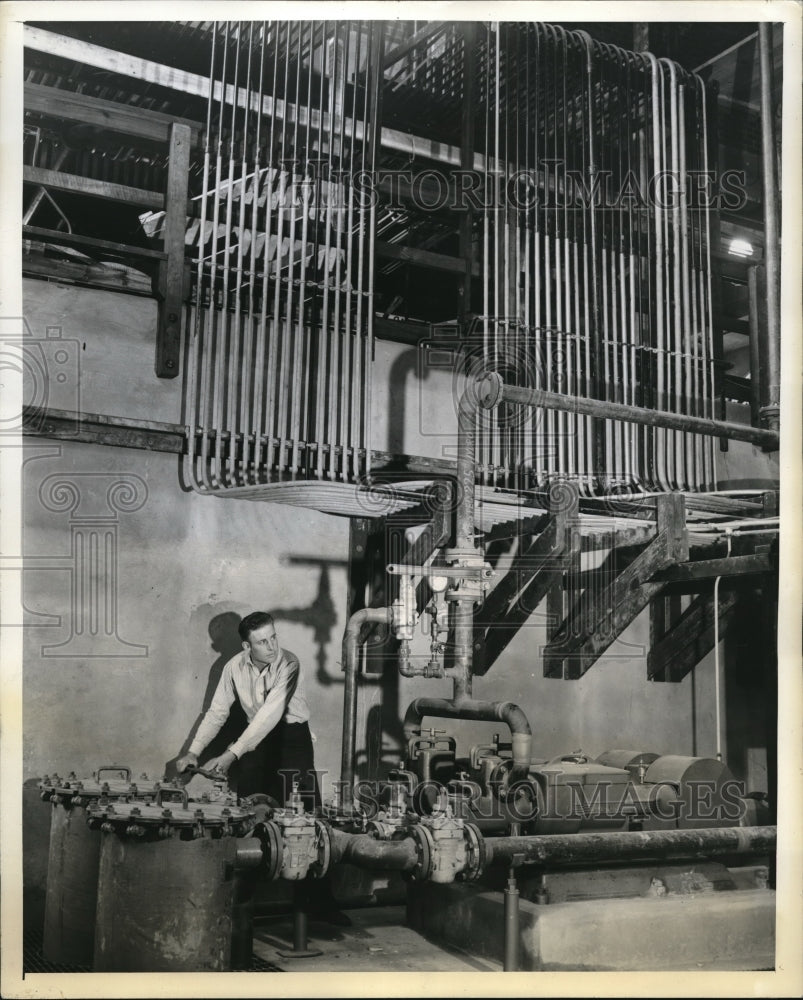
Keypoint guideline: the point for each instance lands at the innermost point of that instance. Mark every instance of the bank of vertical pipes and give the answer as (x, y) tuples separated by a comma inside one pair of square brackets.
[(600, 285), (280, 353)]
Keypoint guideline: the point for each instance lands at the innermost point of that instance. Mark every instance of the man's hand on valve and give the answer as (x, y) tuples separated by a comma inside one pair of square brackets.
[(188, 760), (222, 763)]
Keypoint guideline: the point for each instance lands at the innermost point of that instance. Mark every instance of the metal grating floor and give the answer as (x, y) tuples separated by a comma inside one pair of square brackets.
[(33, 961)]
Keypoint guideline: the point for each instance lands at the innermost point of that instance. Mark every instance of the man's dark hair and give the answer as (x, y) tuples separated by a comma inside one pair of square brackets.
[(249, 624)]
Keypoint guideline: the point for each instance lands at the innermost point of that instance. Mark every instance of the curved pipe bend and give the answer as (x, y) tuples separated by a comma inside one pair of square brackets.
[(470, 708)]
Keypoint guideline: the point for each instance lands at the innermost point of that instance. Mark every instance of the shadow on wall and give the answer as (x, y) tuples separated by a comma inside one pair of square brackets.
[(225, 641), (320, 616)]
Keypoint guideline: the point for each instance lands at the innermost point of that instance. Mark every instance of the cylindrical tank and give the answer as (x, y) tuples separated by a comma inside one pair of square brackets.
[(169, 894), (707, 793), (35, 853), (73, 859)]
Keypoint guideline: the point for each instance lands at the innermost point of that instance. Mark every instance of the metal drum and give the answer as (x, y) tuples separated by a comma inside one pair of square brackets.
[(74, 856), (35, 854), (168, 887), (707, 794)]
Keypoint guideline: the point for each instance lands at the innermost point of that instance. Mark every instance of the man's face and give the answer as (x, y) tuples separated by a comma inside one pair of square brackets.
[(263, 645)]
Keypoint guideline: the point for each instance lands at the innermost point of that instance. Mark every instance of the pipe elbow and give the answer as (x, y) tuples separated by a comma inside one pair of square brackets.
[(521, 737), (515, 718), (351, 635)]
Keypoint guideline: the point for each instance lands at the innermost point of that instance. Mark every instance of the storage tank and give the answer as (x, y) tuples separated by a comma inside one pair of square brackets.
[(170, 886), (74, 857)]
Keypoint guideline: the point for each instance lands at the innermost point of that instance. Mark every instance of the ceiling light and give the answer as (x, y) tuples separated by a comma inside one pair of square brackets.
[(740, 248)]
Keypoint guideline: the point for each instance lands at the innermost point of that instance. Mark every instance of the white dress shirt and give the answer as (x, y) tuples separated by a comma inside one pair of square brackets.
[(267, 695)]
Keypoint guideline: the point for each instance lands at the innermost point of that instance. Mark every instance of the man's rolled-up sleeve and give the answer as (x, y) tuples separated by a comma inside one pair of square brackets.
[(217, 713)]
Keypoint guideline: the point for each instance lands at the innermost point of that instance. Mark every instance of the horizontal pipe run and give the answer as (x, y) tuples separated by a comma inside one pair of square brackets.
[(491, 391), (561, 849), (365, 851)]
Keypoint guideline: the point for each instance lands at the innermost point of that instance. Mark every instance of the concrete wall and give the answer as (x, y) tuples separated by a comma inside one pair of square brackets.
[(186, 566)]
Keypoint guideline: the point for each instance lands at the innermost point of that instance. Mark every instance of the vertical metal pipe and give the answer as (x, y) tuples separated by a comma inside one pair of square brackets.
[(483, 449), (251, 428), (323, 214), (771, 412), (512, 932), (380, 616), (200, 352), (241, 369), (755, 363), (300, 419), (659, 435), (338, 368), (290, 375), (686, 340), (279, 345), (217, 315), (708, 327), (357, 379), (676, 258), (263, 398), (225, 361), (377, 82), (463, 613)]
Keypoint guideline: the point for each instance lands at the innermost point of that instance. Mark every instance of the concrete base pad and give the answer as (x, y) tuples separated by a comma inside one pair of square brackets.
[(714, 930)]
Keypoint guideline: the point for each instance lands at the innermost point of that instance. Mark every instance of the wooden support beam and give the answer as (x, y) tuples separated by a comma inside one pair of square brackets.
[(535, 571), (422, 35), (95, 428), (122, 432), (58, 181), (131, 281), (517, 528), (90, 243), (709, 569), (421, 258), (111, 116), (400, 331), (171, 273), (682, 647), (184, 82), (599, 619)]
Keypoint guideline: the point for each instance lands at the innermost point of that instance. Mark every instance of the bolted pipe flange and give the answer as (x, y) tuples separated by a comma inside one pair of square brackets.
[(323, 850), (488, 389), (475, 854), (425, 849), (270, 837)]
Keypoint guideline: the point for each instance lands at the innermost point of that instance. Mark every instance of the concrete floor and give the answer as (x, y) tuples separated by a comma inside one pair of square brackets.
[(378, 940)]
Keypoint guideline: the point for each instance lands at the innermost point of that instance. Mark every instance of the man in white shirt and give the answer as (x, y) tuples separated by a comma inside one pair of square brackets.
[(276, 746)]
